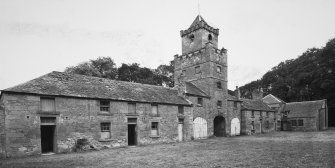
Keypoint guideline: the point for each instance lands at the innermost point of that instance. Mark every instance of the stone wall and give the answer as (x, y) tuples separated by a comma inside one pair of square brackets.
[(262, 122), (2, 130), (234, 112), (81, 118), (310, 124)]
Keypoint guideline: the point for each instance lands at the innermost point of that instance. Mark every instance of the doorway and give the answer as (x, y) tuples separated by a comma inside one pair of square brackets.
[(219, 126), (180, 129), (48, 130), (131, 134)]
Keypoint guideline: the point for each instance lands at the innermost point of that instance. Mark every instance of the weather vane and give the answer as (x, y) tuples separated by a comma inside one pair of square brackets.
[(199, 7)]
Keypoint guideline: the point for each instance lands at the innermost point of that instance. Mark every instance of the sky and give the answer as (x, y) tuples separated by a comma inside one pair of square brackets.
[(40, 36)]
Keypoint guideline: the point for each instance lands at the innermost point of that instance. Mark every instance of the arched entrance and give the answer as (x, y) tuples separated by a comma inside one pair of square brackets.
[(219, 126), (199, 128), (235, 127)]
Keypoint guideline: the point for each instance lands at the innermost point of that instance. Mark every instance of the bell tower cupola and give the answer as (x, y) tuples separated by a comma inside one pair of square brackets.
[(197, 35)]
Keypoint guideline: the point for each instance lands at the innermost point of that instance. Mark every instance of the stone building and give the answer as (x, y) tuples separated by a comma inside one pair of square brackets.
[(50, 113), (204, 66), (305, 116), (275, 103)]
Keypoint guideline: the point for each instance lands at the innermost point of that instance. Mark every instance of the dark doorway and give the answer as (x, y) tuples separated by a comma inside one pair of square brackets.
[(47, 138), (219, 126), (131, 134)]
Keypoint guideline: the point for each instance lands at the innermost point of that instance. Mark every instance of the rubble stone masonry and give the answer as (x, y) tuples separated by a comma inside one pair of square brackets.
[(81, 118)]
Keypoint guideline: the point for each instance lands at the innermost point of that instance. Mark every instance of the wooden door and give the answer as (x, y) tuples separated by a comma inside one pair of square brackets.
[(200, 128), (235, 127)]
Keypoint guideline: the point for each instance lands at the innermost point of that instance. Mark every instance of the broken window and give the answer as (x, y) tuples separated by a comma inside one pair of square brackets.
[(181, 109), (219, 104), (197, 69), (300, 122), (131, 108), (252, 114), (294, 123), (219, 85), (252, 125), (200, 101), (154, 129), (48, 104), (154, 110), (104, 106), (105, 130)]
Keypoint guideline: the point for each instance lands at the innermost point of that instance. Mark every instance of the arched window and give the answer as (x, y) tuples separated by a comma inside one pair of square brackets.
[(210, 37), (191, 37)]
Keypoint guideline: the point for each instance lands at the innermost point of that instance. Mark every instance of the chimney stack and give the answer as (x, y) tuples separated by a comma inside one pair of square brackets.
[(237, 93), (257, 94)]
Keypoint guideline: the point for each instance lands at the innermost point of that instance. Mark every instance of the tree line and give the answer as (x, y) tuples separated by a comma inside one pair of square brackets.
[(311, 76), (105, 67)]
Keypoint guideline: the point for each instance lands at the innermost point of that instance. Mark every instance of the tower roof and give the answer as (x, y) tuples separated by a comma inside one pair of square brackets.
[(199, 23), (197, 20)]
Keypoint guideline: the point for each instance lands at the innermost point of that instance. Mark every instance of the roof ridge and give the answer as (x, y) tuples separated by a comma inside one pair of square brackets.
[(310, 101), (109, 79)]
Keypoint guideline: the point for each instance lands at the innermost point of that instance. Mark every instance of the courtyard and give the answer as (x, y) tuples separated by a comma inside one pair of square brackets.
[(279, 149)]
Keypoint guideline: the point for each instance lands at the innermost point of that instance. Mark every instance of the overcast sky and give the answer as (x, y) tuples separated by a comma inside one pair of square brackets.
[(40, 36)]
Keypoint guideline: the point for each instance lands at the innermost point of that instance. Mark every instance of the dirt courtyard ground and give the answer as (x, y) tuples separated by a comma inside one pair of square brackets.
[(279, 149)]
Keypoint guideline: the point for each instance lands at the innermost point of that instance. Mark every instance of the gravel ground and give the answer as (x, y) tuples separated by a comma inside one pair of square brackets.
[(279, 149)]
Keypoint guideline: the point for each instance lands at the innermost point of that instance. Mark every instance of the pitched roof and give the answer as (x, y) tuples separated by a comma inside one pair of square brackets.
[(197, 20), (259, 105), (191, 89), (271, 99), (72, 85), (305, 108)]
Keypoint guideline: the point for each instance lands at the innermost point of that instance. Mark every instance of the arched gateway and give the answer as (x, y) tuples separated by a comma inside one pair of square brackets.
[(219, 126)]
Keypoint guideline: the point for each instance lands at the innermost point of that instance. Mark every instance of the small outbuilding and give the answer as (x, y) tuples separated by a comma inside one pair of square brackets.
[(305, 116)]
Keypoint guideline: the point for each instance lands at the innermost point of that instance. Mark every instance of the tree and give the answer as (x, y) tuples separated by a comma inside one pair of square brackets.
[(101, 67)]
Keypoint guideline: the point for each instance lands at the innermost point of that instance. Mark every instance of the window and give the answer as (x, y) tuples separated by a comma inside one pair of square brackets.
[(219, 104), (48, 104), (260, 114), (294, 123), (235, 104), (300, 122), (199, 101), (154, 129), (252, 114), (181, 109), (218, 69), (218, 85), (131, 108), (267, 124), (191, 37), (104, 106), (197, 69), (210, 37), (105, 130), (252, 125), (154, 110), (267, 114)]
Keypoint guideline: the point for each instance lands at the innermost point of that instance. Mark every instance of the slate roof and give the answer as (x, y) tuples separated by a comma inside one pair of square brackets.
[(191, 89), (271, 99), (304, 109), (197, 20), (259, 105), (65, 84)]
